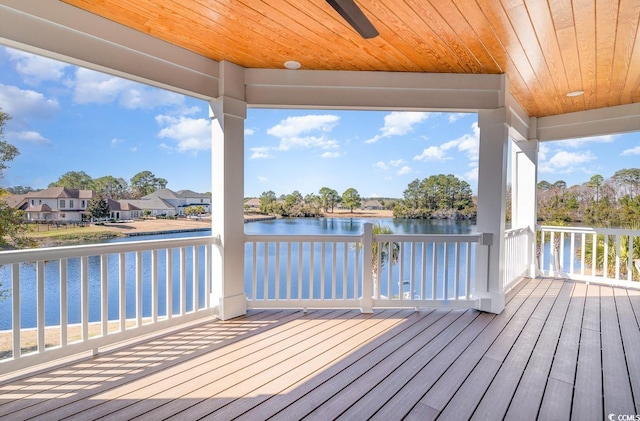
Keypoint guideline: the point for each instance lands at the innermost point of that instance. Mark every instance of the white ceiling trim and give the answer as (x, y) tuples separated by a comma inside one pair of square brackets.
[(598, 122), (268, 88)]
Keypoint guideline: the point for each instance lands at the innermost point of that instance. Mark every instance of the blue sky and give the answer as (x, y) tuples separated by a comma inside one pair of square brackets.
[(67, 118)]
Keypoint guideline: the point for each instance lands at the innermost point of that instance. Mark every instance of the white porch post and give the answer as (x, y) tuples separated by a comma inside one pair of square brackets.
[(524, 162), (494, 135), (229, 111)]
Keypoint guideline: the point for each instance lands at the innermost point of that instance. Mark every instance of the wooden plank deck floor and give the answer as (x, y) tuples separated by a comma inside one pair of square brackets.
[(560, 350)]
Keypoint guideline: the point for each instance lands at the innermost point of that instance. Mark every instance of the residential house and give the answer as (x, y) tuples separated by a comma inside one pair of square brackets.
[(372, 204), (252, 204), (59, 204), (153, 206), (124, 210), (181, 199)]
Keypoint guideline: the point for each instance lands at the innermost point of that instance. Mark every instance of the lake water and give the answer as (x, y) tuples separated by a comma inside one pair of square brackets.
[(308, 226)]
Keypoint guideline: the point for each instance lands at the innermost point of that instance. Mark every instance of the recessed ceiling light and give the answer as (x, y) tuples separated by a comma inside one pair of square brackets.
[(292, 65), (575, 93)]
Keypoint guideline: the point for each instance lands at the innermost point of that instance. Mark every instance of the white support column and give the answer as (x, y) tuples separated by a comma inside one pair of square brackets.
[(228, 114), (492, 170), (524, 162)]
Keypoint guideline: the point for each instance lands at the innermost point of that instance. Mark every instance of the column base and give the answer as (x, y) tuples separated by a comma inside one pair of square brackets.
[(230, 307), (490, 302)]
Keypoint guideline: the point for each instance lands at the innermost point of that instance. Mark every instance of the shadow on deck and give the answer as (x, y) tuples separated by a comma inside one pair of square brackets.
[(559, 350)]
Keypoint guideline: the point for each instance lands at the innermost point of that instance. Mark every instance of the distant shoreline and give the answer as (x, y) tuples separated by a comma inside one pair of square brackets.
[(62, 235)]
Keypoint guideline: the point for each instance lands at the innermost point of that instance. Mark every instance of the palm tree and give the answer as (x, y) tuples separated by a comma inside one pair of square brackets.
[(381, 252)]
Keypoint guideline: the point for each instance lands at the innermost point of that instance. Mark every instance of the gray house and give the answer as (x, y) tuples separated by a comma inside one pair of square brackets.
[(181, 199)]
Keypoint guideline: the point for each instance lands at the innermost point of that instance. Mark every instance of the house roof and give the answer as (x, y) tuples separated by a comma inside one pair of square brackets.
[(151, 203), (60, 193), (371, 203), (547, 49), (120, 205), (190, 194), (40, 208), (180, 194), (15, 200), (254, 201)]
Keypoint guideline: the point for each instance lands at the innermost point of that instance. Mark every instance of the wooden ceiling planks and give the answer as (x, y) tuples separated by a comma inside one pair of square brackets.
[(547, 48)]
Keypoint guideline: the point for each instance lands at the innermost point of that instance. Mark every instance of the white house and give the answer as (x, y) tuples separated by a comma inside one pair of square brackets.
[(59, 204)]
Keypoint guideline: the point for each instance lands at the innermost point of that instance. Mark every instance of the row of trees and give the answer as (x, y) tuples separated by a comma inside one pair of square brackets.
[(614, 201), (141, 184), (437, 196), (295, 205), (109, 187)]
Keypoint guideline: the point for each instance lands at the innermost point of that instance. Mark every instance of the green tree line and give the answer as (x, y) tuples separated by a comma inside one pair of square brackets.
[(110, 187), (599, 201), (437, 196), (295, 205)]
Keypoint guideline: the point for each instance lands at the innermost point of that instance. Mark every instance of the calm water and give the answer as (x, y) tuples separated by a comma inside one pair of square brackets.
[(282, 227)]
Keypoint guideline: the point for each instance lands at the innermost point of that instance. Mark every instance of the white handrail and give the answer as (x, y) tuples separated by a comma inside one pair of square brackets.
[(436, 268), (603, 255), (52, 266)]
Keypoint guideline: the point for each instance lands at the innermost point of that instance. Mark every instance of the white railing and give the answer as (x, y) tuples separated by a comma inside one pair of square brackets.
[(519, 254), (303, 271), (603, 255), (66, 300), (429, 270), (319, 271)]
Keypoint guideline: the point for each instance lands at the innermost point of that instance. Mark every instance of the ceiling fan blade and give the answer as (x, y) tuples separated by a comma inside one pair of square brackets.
[(354, 16)]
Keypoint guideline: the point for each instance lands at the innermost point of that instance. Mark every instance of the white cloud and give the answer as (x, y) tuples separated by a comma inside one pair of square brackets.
[(432, 153), (94, 87), (260, 152), (632, 151), (472, 174), (262, 180), (115, 142), (398, 124), (249, 132), (381, 165), (305, 132), (330, 155), (29, 136), (23, 104), (543, 151), (35, 69), (404, 170), (576, 143), (453, 117), (467, 144), (391, 163), (189, 134), (566, 162)]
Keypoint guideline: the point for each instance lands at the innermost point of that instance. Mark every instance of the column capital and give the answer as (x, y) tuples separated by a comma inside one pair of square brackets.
[(226, 105), (496, 116)]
